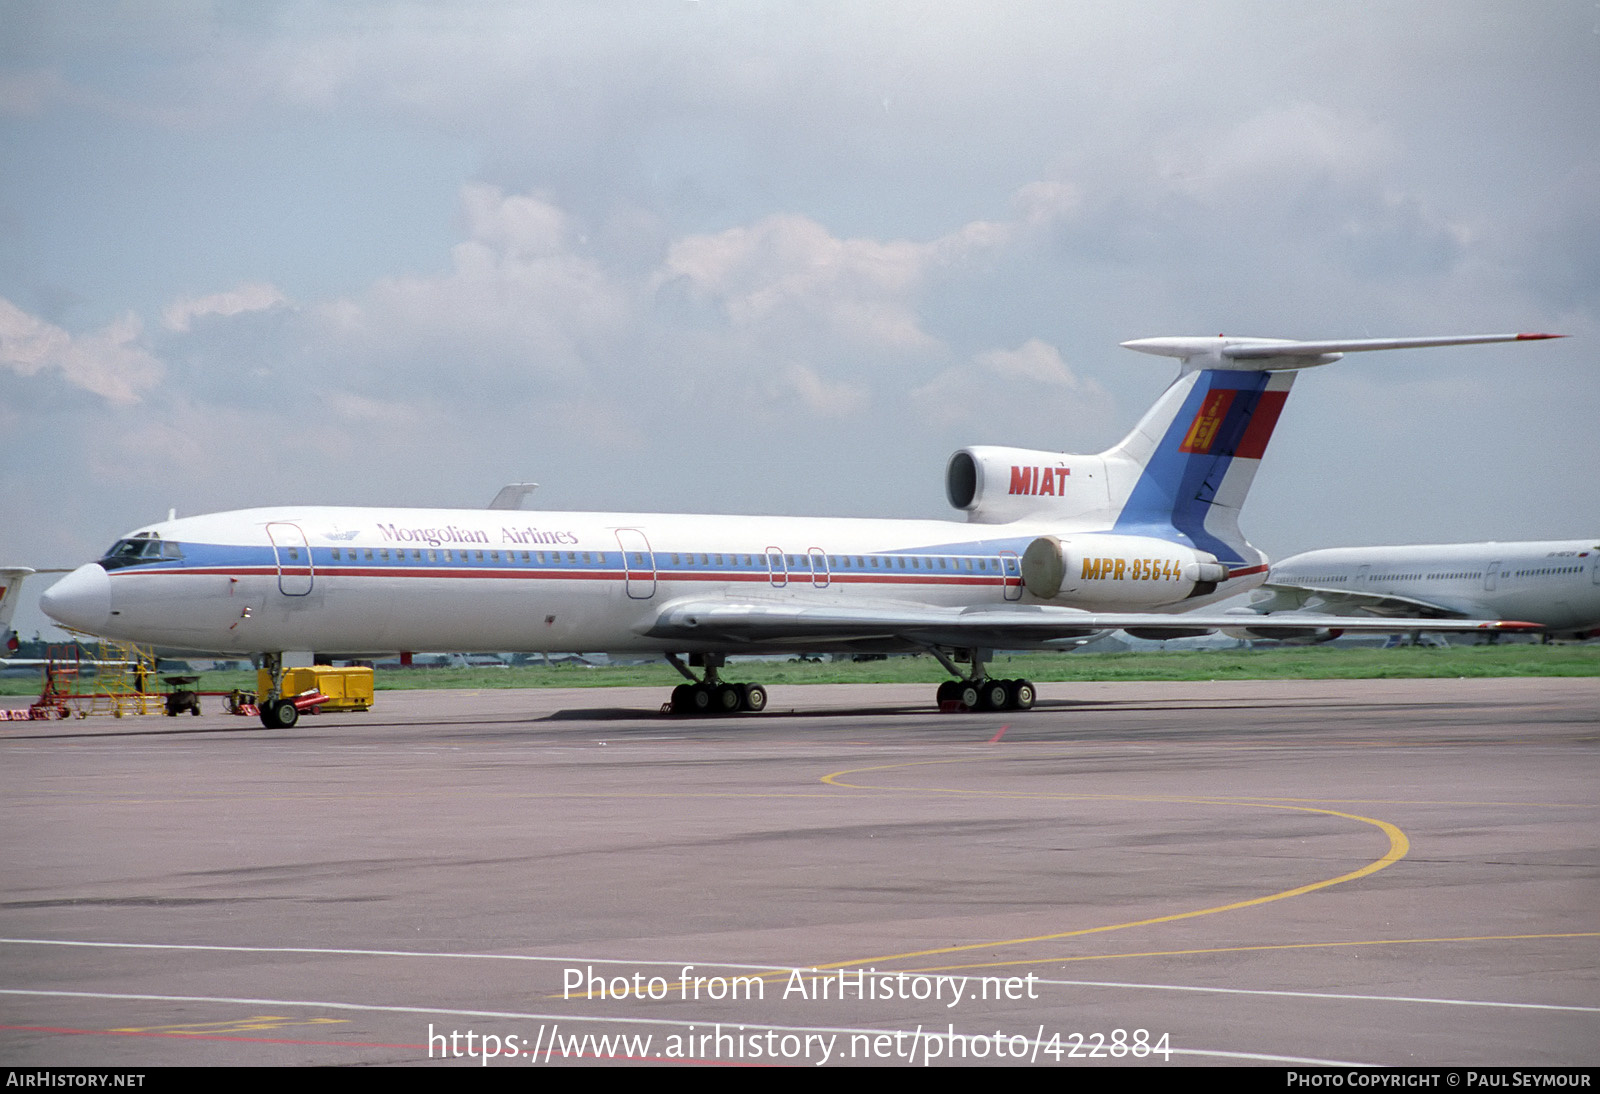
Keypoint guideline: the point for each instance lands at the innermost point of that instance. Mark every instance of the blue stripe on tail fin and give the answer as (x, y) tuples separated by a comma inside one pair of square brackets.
[(1197, 452)]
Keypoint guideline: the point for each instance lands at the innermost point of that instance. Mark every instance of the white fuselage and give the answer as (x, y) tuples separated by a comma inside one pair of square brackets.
[(347, 581), (1552, 582)]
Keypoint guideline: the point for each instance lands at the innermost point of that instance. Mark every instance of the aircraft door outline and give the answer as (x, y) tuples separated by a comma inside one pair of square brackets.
[(638, 563), (820, 576), (1011, 575), (777, 568), (292, 554)]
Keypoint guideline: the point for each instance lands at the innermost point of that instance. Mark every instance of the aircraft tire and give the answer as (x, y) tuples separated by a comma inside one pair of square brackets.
[(992, 694), (725, 699), (969, 695), (755, 698), (950, 689), (699, 699), (279, 714), (1020, 694)]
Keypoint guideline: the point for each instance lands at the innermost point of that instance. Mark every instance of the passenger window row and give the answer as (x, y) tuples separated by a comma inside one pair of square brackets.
[(451, 556)]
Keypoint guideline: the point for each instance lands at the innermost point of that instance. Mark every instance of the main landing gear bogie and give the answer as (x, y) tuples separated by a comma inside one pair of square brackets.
[(709, 694), (719, 698), (988, 694)]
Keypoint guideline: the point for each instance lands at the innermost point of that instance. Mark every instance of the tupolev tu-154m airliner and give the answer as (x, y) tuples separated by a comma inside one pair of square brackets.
[(1055, 547)]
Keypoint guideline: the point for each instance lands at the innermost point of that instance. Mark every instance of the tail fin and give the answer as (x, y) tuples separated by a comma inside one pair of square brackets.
[(1189, 463)]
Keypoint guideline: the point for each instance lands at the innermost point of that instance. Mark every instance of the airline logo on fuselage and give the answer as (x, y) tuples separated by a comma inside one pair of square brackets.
[(1039, 480), (433, 537), (450, 533), (530, 534)]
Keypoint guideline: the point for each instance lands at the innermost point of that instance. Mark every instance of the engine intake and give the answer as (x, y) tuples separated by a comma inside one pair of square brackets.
[(998, 485)]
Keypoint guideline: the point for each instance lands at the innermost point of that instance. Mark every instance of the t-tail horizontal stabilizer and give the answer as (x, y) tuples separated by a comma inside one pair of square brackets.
[(1276, 354), (1184, 471)]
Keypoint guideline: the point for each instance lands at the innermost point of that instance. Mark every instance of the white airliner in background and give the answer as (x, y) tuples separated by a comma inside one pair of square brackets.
[(1555, 583), (1054, 547)]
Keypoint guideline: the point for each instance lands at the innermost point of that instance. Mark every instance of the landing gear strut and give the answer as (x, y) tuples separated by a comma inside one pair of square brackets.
[(975, 691), (276, 711), (710, 695)]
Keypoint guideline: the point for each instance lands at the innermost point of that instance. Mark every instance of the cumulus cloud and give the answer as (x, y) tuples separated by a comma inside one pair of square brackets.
[(1047, 200), (1034, 361), (181, 313), (110, 362), (787, 314), (790, 271), (828, 398), (517, 225), (1286, 145), (1304, 175), (781, 304), (519, 297), (1032, 375)]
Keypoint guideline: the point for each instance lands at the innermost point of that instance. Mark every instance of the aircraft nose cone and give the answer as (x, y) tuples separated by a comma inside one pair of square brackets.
[(81, 600)]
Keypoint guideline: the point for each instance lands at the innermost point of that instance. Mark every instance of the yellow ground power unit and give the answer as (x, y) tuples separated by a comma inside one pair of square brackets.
[(348, 688)]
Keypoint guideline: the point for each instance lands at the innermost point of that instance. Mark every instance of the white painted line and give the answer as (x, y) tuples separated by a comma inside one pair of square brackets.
[(1320, 995), (333, 952), (1307, 1061), (376, 1007)]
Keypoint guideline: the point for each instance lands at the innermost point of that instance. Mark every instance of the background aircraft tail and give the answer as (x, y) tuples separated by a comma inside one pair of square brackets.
[(10, 586)]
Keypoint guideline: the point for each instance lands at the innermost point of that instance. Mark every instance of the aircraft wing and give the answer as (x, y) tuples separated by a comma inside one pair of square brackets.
[(731, 624), (1290, 598)]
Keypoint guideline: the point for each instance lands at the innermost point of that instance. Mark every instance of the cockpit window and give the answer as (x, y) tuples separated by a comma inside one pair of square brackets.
[(140, 549)]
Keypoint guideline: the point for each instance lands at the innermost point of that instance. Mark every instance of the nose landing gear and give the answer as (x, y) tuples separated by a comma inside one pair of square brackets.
[(277, 711)]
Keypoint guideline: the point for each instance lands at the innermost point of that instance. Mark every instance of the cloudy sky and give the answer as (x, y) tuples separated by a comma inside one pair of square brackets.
[(782, 257)]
